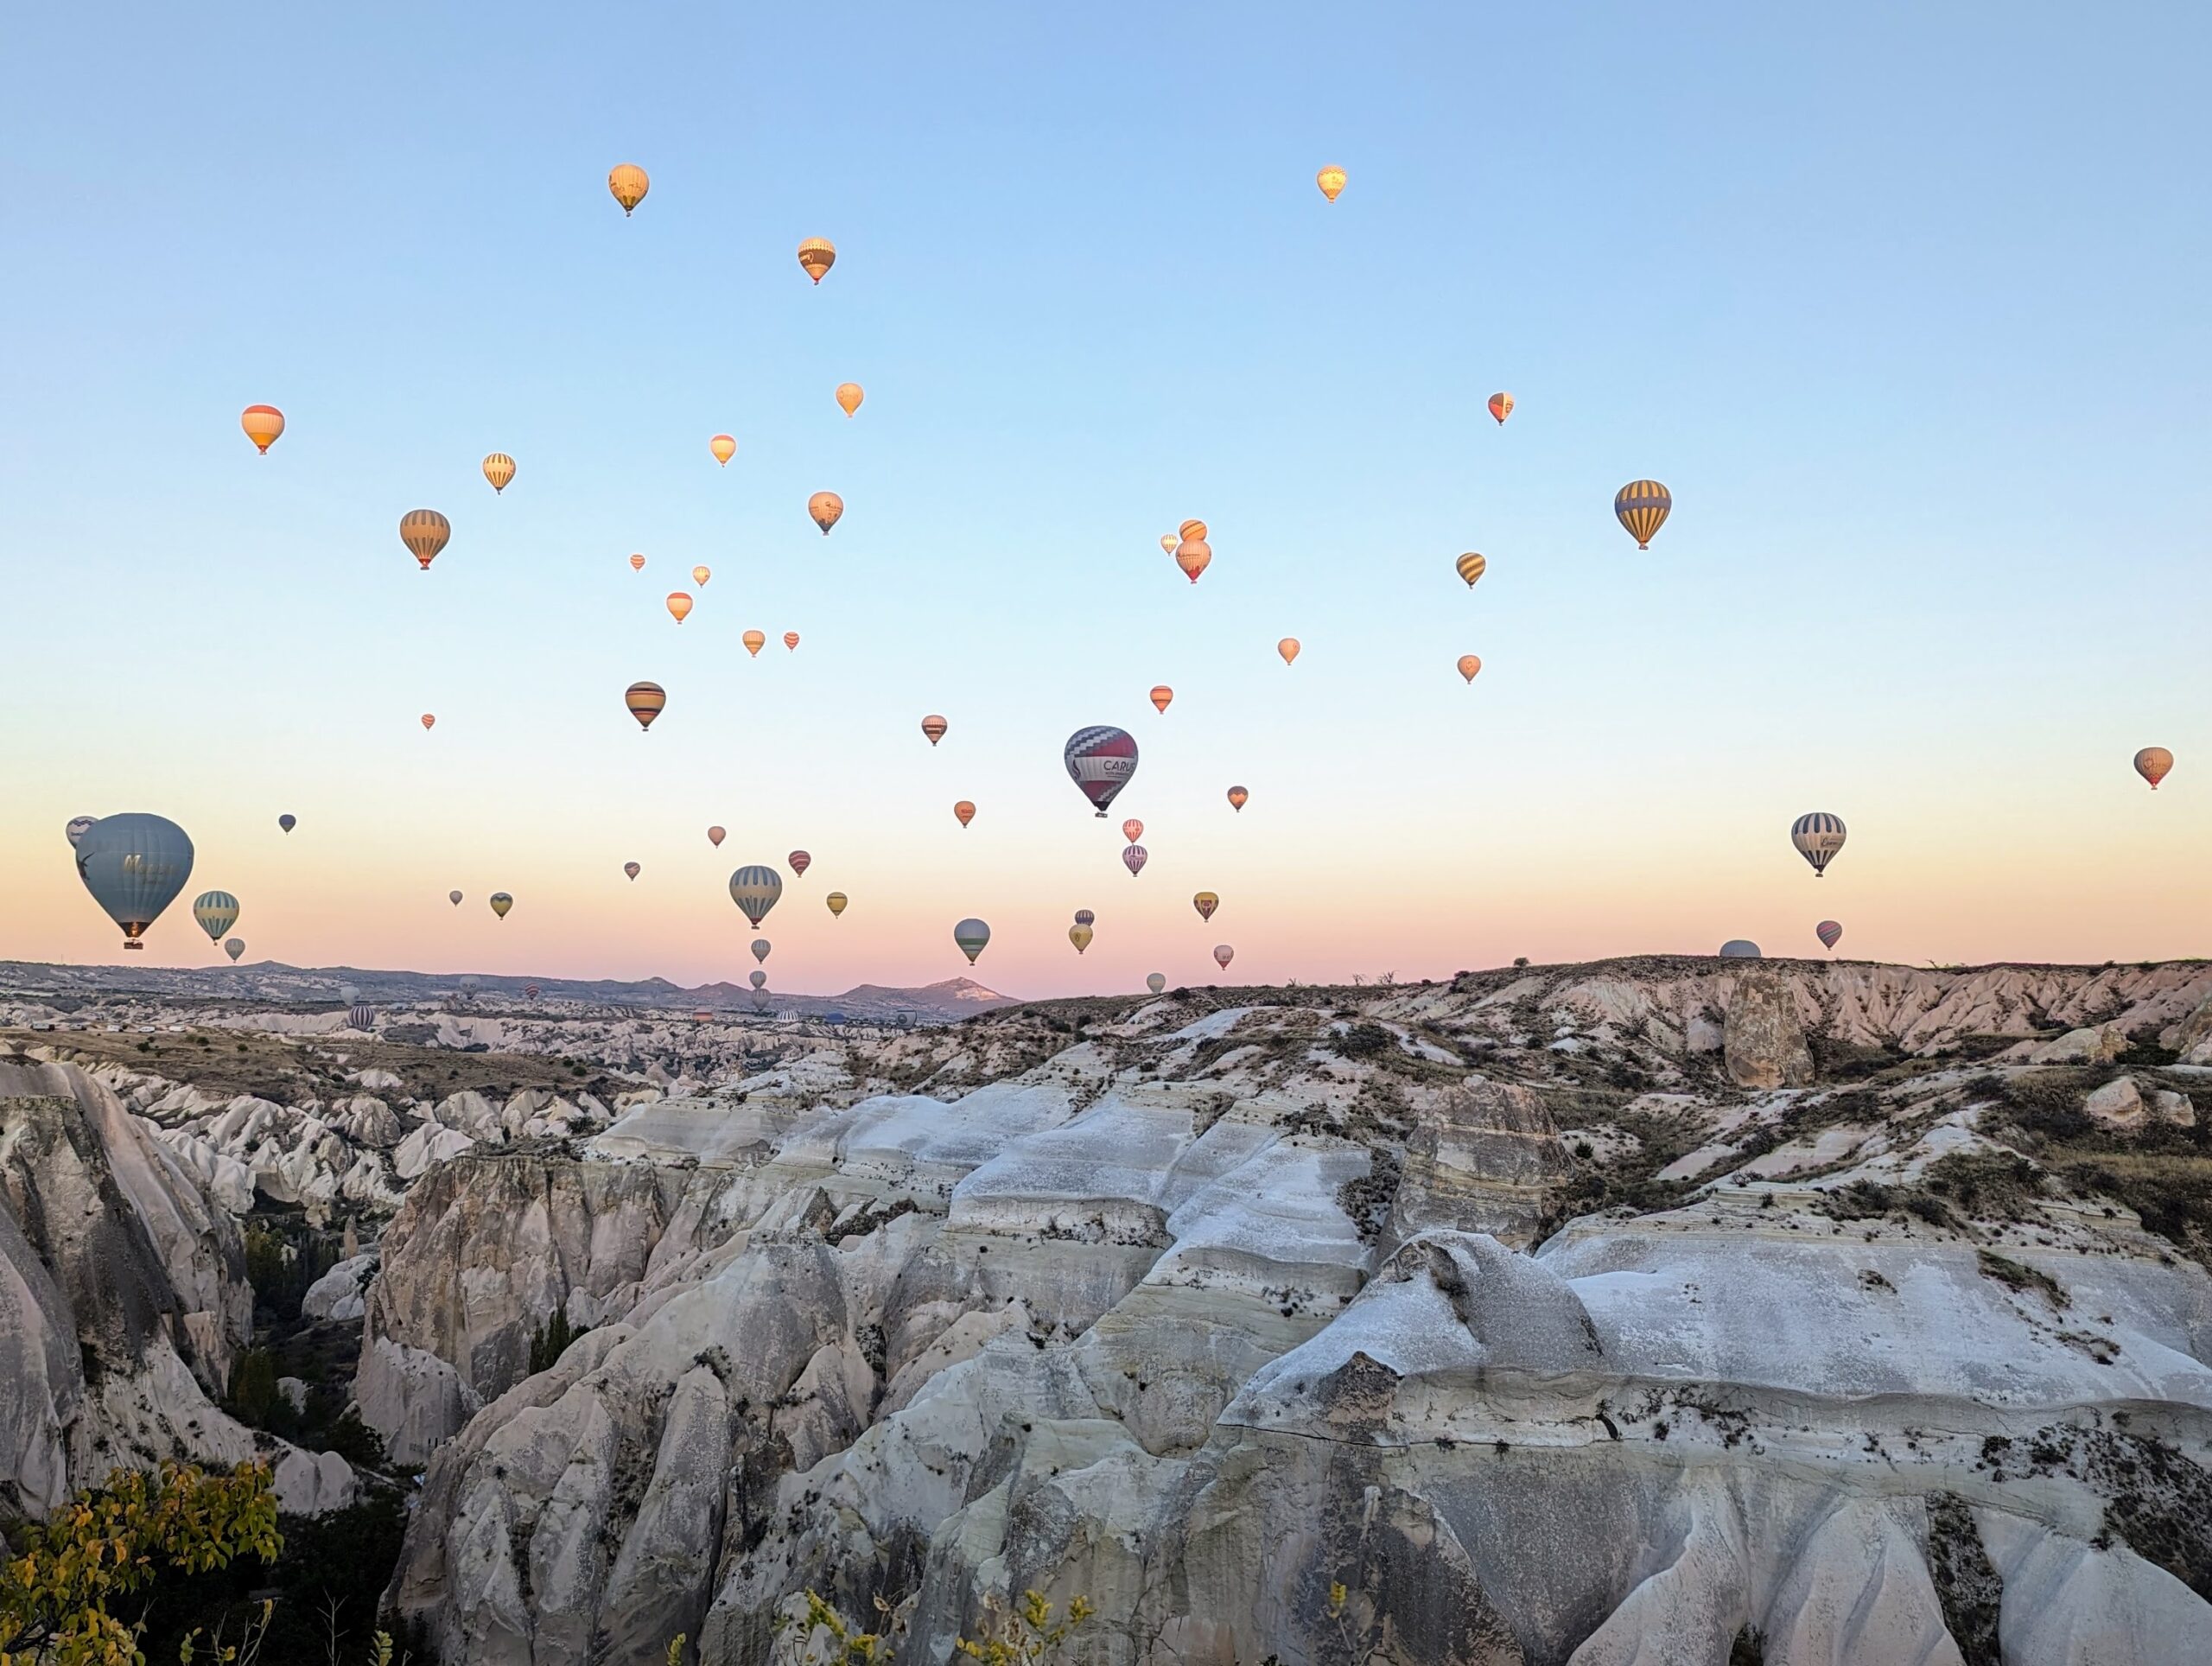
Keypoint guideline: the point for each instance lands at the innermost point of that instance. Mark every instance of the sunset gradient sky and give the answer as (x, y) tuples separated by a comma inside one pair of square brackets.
[(1907, 309)]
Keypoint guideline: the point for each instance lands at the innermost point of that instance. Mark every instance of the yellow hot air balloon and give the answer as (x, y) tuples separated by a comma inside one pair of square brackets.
[(1194, 555), (1472, 567), (424, 532), (724, 448), (1642, 506), (1161, 694), (1469, 664), (645, 701), (629, 184), (963, 812), (825, 507), (1205, 902), (1500, 406), (1288, 649), (262, 423), (849, 395), (934, 726), (754, 641), (499, 469), (701, 575), (835, 900), (678, 604), (818, 254), (791, 640), (1080, 936), (1331, 179), (500, 903), (1167, 542), (1191, 528), (636, 563)]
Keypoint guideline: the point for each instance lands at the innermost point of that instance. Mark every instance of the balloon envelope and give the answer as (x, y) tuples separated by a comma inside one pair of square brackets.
[(234, 948), (1100, 761), (287, 822), (970, 936), (1331, 179), (800, 861), (1641, 508), (424, 532), (1472, 567), (499, 469), (791, 639), (1080, 936), (1205, 902), (824, 508), (1222, 955), (701, 575), (500, 903), (2151, 764), (724, 447), (1161, 694), (1469, 664), (817, 256), (1739, 949), (1167, 542), (636, 563), (1829, 933), (934, 726), (1501, 405), (217, 911), (632, 869), (134, 865), (262, 423), (1818, 837), (716, 834), (849, 395), (754, 641), (645, 701), (628, 183), (754, 889), (1134, 858), (761, 949), (453, 897), (836, 899), (1190, 529), (1288, 648), (1132, 829), (1194, 555), (1084, 917), (679, 604), (1238, 797), (1155, 982), (77, 827), (964, 812), (760, 980), (429, 720)]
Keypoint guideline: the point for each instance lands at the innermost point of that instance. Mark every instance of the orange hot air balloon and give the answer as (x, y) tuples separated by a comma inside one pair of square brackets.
[(645, 701), (1191, 528), (678, 604), (429, 720), (716, 834), (262, 423), (701, 575), (1161, 694), (1132, 829), (499, 469), (849, 395), (1238, 797), (963, 812), (1331, 179), (1167, 542), (1287, 648), (1500, 406), (753, 643), (629, 185), (1469, 664), (2152, 763), (1205, 902), (818, 254), (825, 507), (1193, 555), (791, 640), (424, 532), (1471, 567), (636, 563), (934, 726), (724, 448)]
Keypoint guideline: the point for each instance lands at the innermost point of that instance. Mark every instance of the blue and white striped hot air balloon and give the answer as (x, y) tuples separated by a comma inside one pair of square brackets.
[(1818, 837)]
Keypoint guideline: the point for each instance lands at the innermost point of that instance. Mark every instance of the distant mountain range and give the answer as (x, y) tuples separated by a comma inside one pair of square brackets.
[(274, 981)]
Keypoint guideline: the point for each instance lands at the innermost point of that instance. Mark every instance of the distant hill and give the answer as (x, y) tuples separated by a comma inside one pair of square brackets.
[(268, 982)]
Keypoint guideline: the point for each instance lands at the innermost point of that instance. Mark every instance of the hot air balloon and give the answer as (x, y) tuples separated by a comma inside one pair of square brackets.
[(724, 446), (1469, 664), (500, 903), (1132, 829), (1642, 507), (77, 827), (262, 423), (1194, 555), (824, 508), (134, 865), (1818, 837), (636, 563), (1288, 648), (849, 395), (429, 720), (1133, 859), (791, 640), (1223, 954), (348, 993), (701, 575), (817, 256), (217, 911), (934, 726), (1161, 694), (629, 184), (716, 834), (754, 641), (645, 701), (970, 936), (1155, 982), (1084, 917), (1238, 797), (837, 900), (679, 604), (1205, 902), (234, 948), (1500, 406), (531, 991), (499, 469), (1100, 761), (632, 869), (1739, 949), (1331, 179), (800, 862), (2152, 763), (453, 897), (963, 812), (761, 949), (1080, 936), (1190, 529), (365, 1018), (754, 889), (760, 980), (1472, 567), (424, 532), (288, 821), (1829, 933), (1167, 542)]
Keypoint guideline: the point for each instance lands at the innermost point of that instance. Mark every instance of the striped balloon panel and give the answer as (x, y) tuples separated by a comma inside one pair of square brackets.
[(361, 1018), (1642, 507), (424, 532), (498, 469)]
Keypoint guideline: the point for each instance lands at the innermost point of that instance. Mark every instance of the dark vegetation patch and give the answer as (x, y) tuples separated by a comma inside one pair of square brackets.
[(1366, 1199), (284, 1255), (1967, 1583), (2018, 1276), (1628, 1181), (1835, 1060)]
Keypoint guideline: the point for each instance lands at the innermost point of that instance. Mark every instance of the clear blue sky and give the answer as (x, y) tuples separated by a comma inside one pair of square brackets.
[(1906, 304)]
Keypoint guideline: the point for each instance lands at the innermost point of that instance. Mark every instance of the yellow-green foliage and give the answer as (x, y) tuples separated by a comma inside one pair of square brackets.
[(1026, 1635), (109, 1543), (851, 1645)]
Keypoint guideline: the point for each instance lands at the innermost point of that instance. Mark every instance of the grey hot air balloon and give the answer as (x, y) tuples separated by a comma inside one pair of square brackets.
[(453, 897), (348, 993), (1739, 949), (760, 980), (78, 826), (234, 948), (360, 1018), (287, 822), (217, 911), (134, 865), (1155, 982), (754, 889), (761, 949), (970, 936)]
